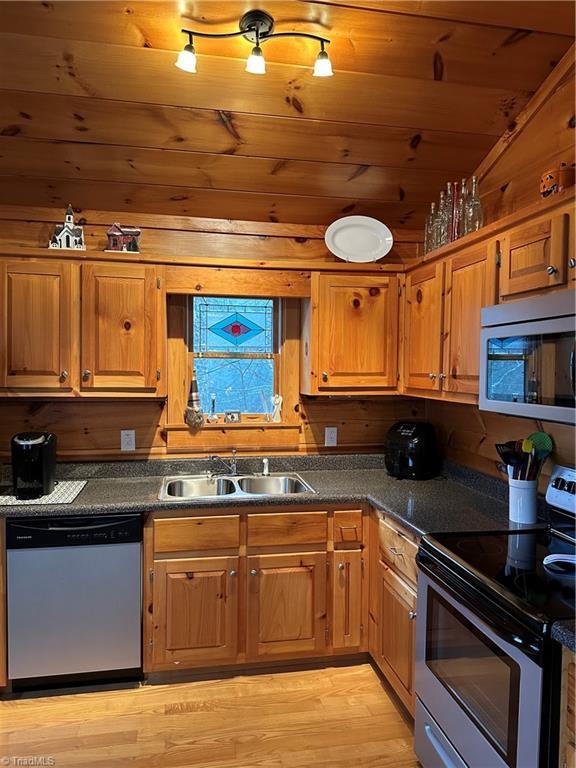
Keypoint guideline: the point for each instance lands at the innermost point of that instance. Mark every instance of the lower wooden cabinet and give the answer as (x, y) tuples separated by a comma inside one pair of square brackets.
[(346, 610), (286, 610), (195, 611), (396, 633)]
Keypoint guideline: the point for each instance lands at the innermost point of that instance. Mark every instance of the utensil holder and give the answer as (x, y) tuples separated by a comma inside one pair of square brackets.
[(522, 501)]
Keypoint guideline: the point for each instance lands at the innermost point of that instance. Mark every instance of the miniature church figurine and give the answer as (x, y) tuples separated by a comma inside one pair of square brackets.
[(277, 408), (123, 238), (67, 236)]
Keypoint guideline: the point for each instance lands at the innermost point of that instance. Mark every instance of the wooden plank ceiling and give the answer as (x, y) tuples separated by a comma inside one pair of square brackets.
[(93, 111)]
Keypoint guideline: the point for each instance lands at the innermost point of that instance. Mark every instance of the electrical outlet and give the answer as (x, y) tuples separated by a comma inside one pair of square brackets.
[(330, 436), (127, 440)]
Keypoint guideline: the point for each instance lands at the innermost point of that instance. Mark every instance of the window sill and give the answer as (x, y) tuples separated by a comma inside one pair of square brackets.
[(222, 425)]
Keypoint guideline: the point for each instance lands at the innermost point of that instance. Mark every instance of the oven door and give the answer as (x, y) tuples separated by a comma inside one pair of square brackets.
[(483, 691), (528, 369)]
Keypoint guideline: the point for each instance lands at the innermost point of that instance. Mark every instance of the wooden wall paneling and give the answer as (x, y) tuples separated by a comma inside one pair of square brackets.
[(86, 430), (468, 435), (177, 367), (475, 53), (133, 198), (76, 119), (131, 74), (510, 173)]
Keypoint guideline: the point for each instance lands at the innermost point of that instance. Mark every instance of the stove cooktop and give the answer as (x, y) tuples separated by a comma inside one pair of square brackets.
[(510, 565)]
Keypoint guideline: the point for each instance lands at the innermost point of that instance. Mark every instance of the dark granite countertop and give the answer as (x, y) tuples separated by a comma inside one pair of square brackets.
[(565, 632), (450, 503)]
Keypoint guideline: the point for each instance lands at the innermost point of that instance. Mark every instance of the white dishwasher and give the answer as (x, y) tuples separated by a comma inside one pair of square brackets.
[(74, 595)]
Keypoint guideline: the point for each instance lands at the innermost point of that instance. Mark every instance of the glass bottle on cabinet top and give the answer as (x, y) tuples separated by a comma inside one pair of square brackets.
[(474, 215), (429, 232), (449, 211), (459, 213), (442, 238)]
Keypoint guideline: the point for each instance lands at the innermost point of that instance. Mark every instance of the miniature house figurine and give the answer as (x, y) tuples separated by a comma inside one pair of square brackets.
[(68, 236), (123, 238)]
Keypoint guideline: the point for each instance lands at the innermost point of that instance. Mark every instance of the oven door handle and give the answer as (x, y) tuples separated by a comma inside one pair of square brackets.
[(506, 628)]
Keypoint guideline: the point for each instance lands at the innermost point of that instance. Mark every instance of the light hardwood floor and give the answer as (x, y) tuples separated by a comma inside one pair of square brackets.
[(341, 717)]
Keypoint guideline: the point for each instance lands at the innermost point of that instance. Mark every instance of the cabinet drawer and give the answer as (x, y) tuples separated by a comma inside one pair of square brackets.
[(287, 528), (348, 526), (398, 551), (176, 534)]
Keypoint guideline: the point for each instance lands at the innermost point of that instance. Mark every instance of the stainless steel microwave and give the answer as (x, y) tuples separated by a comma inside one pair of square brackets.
[(527, 358)]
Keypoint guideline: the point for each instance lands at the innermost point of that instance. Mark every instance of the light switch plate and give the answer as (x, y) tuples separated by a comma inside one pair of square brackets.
[(330, 436), (127, 440)]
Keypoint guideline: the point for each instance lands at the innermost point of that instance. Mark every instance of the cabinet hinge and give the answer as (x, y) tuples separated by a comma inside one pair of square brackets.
[(151, 575), (158, 374), (399, 290), (327, 566), (361, 629), (498, 256), (397, 375), (158, 282), (327, 632), (362, 564)]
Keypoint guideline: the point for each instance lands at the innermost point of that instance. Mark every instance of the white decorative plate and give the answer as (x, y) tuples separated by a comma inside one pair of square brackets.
[(358, 238)]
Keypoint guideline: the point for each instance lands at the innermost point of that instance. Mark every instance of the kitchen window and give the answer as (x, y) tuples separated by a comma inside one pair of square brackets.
[(235, 349)]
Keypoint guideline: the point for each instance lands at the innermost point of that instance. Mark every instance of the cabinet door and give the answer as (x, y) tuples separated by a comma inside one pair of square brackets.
[(120, 318), (37, 325), (357, 332), (535, 256), (423, 327), (397, 633), (195, 611), (287, 605), (470, 284), (347, 599)]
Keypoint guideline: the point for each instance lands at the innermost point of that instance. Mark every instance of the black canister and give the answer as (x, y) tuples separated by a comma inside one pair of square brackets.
[(33, 464)]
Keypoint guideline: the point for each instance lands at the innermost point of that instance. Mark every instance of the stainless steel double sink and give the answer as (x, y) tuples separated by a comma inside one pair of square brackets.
[(207, 486)]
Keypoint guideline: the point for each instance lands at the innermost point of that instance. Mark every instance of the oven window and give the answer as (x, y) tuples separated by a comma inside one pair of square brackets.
[(535, 369), (477, 673)]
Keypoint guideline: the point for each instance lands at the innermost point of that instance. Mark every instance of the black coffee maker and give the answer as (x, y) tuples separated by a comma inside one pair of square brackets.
[(33, 464), (411, 451)]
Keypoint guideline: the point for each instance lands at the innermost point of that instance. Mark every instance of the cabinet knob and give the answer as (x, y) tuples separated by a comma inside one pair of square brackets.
[(552, 270), (411, 615), (442, 376), (341, 566), (86, 374), (64, 375), (432, 376), (232, 573), (572, 263), (253, 572), (324, 376)]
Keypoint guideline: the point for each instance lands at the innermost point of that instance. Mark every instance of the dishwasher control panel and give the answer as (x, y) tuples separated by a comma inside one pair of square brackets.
[(33, 532)]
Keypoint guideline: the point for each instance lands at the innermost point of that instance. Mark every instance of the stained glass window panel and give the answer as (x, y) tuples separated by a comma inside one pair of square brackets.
[(231, 324)]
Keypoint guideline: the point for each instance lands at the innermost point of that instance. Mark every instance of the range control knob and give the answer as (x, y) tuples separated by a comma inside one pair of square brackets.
[(571, 487), (559, 483)]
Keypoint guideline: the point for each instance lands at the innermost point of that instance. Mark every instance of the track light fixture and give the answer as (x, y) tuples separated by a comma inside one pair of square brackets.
[(257, 27)]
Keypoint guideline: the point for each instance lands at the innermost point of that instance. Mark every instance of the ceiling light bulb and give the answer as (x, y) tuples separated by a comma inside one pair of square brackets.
[(323, 65), (187, 59), (256, 63)]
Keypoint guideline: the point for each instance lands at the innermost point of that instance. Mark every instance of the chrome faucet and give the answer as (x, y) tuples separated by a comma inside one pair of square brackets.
[(231, 466), (265, 467)]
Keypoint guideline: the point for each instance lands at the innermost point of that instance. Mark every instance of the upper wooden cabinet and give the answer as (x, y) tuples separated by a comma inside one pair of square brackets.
[(423, 327), (470, 284), (535, 256), (39, 310), (120, 327), (349, 335)]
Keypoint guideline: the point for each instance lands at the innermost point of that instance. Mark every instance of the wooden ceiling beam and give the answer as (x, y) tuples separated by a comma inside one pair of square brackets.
[(176, 201), (386, 43), (65, 160), (93, 70), (77, 119)]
